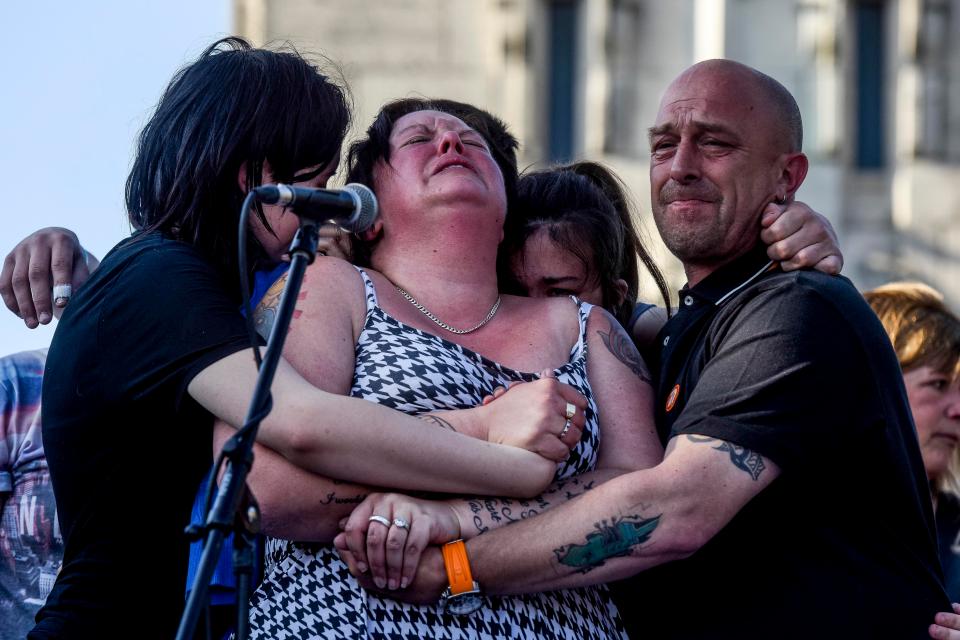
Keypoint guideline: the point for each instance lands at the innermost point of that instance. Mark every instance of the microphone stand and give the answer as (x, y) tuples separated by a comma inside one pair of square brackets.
[(235, 508)]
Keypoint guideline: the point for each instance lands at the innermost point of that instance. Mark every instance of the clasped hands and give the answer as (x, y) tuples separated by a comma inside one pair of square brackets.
[(390, 542)]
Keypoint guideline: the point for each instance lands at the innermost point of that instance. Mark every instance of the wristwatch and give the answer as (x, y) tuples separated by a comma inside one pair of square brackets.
[(463, 595)]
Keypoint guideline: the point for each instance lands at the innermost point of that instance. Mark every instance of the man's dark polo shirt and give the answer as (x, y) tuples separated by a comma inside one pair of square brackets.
[(796, 367)]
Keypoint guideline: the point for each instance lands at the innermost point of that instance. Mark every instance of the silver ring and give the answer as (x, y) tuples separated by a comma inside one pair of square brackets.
[(571, 411), (379, 519), (566, 428), (401, 523), (62, 293)]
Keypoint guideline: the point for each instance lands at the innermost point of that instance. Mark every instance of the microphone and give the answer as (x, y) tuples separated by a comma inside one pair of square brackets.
[(353, 207)]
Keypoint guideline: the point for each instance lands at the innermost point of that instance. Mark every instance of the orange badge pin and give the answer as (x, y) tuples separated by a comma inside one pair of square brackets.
[(672, 398)]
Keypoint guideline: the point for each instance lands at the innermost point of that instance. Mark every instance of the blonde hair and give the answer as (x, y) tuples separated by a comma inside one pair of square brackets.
[(924, 333)]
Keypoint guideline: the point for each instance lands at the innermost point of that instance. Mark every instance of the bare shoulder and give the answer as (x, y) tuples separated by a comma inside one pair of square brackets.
[(334, 277), (557, 316)]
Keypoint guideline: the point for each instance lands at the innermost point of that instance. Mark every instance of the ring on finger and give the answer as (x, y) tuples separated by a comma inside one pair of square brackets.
[(385, 522), (401, 523), (571, 411), (61, 294), (566, 428)]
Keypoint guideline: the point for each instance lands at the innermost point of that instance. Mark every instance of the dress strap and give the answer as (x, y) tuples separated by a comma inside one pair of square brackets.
[(369, 291), (583, 314)]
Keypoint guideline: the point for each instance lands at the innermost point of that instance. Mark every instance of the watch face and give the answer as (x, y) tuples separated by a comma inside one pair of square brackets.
[(463, 603)]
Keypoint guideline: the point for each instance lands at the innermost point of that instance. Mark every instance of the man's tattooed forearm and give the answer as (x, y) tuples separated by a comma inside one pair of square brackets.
[(491, 512), (569, 488), (614, 538), (621, 346), (741, 457), (437, 420)]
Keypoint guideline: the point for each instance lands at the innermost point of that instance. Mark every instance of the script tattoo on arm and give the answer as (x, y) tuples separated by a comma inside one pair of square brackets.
[(490, 512), (333, 498), (437, 420), (359, 495), (741, 457), (613, 538), (621, 346)]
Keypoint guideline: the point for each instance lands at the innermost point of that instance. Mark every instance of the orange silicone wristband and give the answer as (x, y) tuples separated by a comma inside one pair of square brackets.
[(458, 567)]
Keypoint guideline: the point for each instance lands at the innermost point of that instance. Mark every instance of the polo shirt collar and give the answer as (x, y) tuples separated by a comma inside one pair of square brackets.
[(724, 283)]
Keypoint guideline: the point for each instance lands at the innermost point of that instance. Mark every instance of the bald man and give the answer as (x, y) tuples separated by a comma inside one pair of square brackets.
[(792, 500)]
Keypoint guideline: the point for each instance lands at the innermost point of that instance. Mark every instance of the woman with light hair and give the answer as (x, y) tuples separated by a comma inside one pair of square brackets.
[(926, 338)]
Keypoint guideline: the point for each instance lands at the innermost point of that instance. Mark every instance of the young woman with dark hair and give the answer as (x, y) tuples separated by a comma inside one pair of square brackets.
[(220, 127), (153, 347), (580, 209)]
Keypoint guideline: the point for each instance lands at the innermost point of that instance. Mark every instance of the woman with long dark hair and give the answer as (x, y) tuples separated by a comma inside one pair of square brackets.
[(581, 213)]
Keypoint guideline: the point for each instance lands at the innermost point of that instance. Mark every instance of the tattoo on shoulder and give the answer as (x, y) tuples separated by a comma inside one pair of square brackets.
[(437, 420), (265, 314), (741, 457), (621, 346), (613, 538)]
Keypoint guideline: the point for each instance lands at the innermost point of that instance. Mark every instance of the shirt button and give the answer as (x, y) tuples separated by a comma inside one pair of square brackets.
[(688, 300), (666, 341)]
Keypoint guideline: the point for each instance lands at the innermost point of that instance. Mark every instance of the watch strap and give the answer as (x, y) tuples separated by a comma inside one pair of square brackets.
[(458, 567)]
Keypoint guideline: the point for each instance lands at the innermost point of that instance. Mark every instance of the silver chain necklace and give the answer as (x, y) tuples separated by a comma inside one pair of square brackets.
[(443, 325)]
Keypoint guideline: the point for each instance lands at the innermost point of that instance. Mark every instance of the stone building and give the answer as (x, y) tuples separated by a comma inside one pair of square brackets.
[(878, 82)]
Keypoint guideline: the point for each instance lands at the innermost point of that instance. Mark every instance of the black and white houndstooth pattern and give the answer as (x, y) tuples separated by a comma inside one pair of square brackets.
[(307, 592)]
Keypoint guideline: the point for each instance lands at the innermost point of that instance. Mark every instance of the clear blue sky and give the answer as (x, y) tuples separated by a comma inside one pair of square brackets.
[(79, 80)]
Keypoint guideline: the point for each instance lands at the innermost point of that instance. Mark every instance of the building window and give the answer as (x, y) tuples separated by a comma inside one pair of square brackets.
[(562, 72), (933, 60), (623, 137), (870, 123)]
